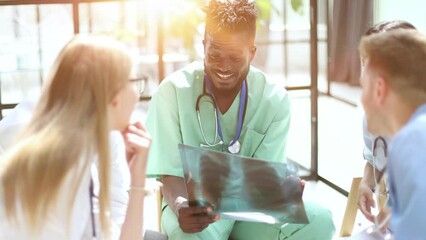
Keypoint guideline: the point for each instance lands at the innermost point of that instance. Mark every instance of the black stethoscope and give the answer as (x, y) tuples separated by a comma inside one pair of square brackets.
[(234, 146), (380, 160)]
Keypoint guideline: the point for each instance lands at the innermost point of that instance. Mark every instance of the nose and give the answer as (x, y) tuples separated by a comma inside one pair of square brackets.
[(224, 65)]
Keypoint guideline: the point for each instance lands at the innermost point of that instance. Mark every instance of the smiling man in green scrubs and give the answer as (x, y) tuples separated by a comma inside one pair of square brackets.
[(253, 117)]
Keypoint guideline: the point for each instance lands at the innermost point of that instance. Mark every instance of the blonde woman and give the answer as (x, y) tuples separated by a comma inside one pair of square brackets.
[(46, 189)]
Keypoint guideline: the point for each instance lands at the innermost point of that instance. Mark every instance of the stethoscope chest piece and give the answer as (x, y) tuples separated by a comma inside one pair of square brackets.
[(234, 148)]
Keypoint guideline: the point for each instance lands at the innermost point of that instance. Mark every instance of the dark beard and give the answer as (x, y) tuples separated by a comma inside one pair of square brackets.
[(227, 92)]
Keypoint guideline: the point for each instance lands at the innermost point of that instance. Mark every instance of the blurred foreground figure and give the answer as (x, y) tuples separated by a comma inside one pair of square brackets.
[(394, 98), (46, 178), (376, 148)]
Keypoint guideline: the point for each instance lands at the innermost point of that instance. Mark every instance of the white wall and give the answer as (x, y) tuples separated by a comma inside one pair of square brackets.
[(412, 11)]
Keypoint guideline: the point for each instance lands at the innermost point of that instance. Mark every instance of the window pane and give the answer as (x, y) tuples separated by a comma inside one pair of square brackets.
[(340, 141), (132, 22), (31, 37), (19, 58), (57, 28), (299, 140), (19, 85)]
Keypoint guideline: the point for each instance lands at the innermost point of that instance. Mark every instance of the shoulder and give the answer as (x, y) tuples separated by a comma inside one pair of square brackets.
[(15, 121), (413, 131), (266, 91), (408, 144), (21, 114), (181, 79), (369, 140), (116, 141), (268, 97), (265, 86), (177, 88)]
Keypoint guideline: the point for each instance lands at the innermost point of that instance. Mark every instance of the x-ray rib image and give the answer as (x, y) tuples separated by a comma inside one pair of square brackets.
[(242, 188)]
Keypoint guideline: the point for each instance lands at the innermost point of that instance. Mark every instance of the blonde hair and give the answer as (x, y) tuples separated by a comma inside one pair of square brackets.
[(69, 123), (400, 57)]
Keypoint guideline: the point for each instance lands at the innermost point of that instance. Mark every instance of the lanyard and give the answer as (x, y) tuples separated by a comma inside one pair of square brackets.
[(92, 214), (241, 110)]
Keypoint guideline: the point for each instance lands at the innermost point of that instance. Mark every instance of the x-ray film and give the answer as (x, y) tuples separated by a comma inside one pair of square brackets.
[(242, 188)]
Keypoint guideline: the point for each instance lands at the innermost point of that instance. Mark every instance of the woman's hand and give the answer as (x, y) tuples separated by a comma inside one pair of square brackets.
[(366, 200), (137, 141)]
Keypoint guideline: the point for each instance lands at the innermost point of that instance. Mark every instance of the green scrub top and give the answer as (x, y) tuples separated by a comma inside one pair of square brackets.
[(172, 119)]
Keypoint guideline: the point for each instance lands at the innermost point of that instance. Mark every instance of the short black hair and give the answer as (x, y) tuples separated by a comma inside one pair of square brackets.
[(231, 16), (389, 25)]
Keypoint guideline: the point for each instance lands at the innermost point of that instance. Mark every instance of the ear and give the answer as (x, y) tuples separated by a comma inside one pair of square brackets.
[(382, 90), (252, 52), (204, 46)]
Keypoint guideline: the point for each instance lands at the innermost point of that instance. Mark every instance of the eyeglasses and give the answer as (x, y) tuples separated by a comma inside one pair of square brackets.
[(139, 84)]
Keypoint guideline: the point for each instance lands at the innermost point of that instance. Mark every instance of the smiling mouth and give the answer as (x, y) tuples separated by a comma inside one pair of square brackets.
[(224, 76)]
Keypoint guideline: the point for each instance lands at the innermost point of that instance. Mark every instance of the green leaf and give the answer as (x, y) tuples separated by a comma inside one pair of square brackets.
[(297, 6)]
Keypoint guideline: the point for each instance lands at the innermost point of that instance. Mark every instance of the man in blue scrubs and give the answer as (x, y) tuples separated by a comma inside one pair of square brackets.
[(375, 147), (394, 99), (252, 119)]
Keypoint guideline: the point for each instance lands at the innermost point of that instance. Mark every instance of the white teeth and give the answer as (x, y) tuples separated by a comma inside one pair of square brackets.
[(224, 76)]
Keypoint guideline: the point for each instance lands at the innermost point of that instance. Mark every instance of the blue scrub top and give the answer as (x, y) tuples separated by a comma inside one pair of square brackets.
[(406, 167)]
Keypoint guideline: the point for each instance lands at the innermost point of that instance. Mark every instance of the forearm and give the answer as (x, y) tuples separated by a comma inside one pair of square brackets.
[(191, 219), (133, 224), (174, 192), (132, 227), (368, 177)]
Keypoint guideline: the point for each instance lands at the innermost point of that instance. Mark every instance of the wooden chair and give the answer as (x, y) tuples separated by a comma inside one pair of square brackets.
[(352, 207), (155, 233), (159, 207)]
